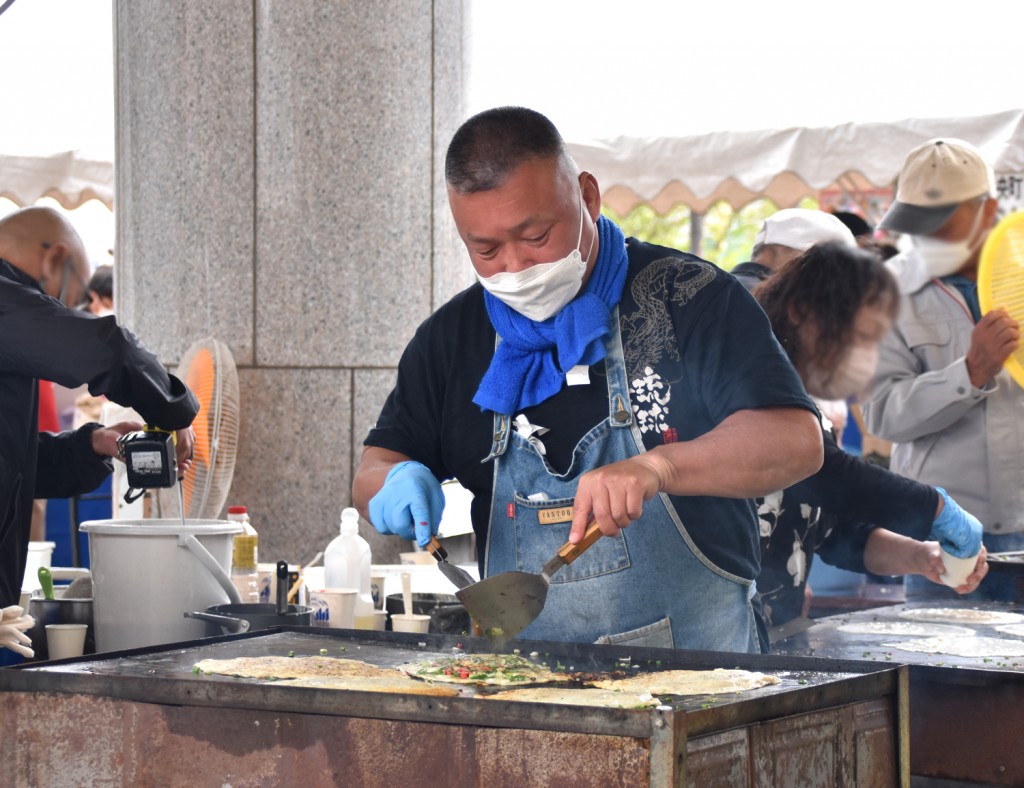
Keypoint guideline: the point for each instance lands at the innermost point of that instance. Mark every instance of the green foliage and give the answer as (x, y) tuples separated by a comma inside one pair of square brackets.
[(671, 230), (727, 236)]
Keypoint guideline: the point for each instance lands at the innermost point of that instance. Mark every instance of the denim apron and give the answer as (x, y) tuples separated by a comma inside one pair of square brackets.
[(648, 586)]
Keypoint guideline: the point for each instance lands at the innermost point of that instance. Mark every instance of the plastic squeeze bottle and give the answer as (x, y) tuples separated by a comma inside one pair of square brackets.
[(347, 565), (244, 556)]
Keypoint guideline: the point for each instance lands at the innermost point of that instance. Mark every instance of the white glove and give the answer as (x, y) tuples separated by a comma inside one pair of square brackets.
[(13, 623)]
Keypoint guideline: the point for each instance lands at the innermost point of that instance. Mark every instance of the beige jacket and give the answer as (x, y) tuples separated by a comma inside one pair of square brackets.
[(947, 432)]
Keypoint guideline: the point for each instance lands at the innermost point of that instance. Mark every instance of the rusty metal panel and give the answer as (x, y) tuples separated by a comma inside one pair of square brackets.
[(876, 744), (804, 750), (965, 725), (61, 740), (720, 759)]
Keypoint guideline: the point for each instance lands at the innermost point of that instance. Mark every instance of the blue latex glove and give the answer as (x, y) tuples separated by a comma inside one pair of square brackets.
[(957, 531), (409, 504)]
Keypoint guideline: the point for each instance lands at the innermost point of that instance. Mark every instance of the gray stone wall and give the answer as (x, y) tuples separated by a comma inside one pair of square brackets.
[(280, 187)]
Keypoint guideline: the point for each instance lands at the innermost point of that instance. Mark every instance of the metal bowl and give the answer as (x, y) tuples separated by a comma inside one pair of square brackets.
[(59, 611)]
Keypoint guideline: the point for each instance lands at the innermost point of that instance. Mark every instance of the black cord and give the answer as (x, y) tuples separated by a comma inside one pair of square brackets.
[(6, 5)]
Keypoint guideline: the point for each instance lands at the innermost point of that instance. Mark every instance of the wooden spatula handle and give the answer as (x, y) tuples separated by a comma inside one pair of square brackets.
[(570, 552), (435, 549)]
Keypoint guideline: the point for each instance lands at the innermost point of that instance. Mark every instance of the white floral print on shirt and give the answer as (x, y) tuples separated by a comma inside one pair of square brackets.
[(650, 397)]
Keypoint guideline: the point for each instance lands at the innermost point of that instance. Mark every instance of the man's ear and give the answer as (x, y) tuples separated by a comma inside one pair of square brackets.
[(51, 268), (991, 210), (52, 264), (591, 195)]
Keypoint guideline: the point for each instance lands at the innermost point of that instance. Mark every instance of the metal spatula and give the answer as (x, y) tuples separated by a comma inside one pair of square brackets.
[(459, 576), (503, 605)]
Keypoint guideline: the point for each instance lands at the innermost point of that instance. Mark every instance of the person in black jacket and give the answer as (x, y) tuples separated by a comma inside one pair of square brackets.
[(829, 308), (43, 271)]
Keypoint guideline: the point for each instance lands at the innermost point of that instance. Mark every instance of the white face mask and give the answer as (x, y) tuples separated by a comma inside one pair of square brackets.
[(852, 377), (540, 291), (942, 258)]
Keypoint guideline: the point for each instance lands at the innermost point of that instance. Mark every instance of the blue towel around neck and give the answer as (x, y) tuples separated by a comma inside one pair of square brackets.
[(532, 358)]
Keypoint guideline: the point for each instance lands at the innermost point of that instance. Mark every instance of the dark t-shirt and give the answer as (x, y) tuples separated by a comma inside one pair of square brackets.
[(832, 513), (697, 349)]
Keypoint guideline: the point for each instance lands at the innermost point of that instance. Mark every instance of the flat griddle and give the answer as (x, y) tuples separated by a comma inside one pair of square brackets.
[(165, 675), (824, 638)]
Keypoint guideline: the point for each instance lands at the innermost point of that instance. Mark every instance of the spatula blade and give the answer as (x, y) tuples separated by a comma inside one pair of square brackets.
[(459, 576), (504, 605)]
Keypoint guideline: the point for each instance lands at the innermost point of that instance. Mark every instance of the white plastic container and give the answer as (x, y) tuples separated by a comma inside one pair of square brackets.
[(347, 565), (39, 554), (147, 574)]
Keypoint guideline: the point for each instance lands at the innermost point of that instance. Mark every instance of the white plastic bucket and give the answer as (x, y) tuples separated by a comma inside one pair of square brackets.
[(39, 554), (147, 574)]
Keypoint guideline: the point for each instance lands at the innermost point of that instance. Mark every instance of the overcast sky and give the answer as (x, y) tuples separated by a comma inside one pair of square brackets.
[(674, 67), (607, 67)]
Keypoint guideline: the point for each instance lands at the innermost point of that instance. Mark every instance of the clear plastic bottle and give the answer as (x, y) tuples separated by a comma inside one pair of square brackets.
[(244, 557), (347, 565)]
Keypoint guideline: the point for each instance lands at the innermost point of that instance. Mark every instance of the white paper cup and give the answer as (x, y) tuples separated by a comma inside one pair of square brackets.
[(409, 622), (377, 591), (65, 640), (314, 577), (333, 607), (957, 569), (380, 620)]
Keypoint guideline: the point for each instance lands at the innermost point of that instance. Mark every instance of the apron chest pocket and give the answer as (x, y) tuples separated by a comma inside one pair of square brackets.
[(538, 539)]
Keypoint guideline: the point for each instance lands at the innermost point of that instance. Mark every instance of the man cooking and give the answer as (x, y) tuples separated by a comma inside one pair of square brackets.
[(590, 377), (43, 272)]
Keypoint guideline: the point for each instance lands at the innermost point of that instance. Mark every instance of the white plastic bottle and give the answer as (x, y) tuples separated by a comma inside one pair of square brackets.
[(347, 565), (244, 557)]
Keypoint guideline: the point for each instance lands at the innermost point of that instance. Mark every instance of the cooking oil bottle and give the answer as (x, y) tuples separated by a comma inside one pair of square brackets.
[(347, 565), (244, 557)]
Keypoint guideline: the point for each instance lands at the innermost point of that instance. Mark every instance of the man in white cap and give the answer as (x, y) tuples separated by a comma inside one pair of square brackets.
[(785, 235), (941, 393)]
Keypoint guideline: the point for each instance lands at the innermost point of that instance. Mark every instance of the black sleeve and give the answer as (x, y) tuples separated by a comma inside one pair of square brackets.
[(46, 340), (844, 543), (67, 465), (855, 490)]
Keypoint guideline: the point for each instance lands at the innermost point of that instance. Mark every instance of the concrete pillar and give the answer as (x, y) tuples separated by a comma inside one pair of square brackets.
[(280, 187)]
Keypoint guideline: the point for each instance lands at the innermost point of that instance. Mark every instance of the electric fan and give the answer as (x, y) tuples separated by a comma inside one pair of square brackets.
[(209, 370), (1001, 279)]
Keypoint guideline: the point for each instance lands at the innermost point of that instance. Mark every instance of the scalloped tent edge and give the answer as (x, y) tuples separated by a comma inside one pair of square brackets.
[(784, 165), (67, 177)]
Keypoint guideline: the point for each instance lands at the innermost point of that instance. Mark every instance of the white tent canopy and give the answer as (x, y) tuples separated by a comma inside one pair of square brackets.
[(783, 165), (57, 139), (67, 177)]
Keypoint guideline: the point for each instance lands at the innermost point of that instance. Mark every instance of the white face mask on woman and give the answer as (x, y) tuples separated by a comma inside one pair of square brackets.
[(540, 291), (852, 377), (942, 258)]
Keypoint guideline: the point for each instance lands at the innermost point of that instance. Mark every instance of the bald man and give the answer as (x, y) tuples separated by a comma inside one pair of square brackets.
[(43, 273)]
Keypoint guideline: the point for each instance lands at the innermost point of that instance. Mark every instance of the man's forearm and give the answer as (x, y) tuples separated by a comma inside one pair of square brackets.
[(750, 454)]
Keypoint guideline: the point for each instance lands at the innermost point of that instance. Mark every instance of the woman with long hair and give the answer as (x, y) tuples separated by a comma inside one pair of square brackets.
[(830, 308)]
